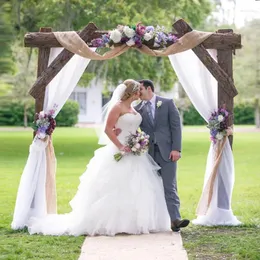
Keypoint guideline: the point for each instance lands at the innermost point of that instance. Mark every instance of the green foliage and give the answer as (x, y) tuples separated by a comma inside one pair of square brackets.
[(243, 115), (68, 116), (192, 117), (30, 15), (12, 113), (6, 37)]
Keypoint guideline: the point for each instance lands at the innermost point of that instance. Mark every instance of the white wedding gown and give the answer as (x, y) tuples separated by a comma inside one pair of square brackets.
[(113, 197)]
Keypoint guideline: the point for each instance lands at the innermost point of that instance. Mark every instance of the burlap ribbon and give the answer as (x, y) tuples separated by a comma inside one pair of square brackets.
[(207, 193), (72, 42), (50, 184)]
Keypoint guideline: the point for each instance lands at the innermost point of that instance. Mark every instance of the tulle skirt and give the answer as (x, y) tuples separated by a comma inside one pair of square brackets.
[(113, 197)]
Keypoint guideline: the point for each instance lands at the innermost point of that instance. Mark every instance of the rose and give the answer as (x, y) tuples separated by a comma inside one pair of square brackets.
[(134, 149), (148, 36), (159, 103), (220, 118), (41, 114), (137, 146), (140, 29), (219, 136), (115, 36), (129, 32), (131, 42)]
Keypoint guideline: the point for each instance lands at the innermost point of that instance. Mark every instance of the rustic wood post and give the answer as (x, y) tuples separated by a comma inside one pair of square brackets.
[(224, 100), (43, 59)]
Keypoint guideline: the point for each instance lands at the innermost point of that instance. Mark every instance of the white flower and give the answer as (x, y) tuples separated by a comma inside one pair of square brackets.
[(41, 114), (137, 146), (219, 136), (131, 42), (148, 36), (220, 118), (134, 149), (159, 103), (129, 32), (116, 36)]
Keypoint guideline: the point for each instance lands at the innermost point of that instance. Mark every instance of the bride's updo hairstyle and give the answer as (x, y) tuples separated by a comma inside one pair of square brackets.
[(132, 87)]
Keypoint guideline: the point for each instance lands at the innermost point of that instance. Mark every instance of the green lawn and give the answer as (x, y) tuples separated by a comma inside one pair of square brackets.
[(74, 147)]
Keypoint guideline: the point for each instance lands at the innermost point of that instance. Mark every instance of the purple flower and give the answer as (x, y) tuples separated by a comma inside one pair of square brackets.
[(149, 29), (98, 42)]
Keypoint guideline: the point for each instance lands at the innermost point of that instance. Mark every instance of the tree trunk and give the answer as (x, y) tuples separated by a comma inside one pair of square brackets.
[(257, 113), (25, 117)]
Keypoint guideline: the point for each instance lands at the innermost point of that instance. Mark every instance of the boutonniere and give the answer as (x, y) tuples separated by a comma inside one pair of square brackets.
[(159, 103)]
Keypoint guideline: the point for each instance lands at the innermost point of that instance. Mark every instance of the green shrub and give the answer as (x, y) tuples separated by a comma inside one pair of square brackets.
[(68, 116), (12, 113)]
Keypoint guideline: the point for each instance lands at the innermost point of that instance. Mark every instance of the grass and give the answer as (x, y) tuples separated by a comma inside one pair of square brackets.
[(74, 147)]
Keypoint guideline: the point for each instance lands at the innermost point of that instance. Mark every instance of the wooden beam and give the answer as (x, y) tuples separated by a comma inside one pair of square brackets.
[(215, 41), (43, 59), (219, 74), (38, 89), (225, 61)]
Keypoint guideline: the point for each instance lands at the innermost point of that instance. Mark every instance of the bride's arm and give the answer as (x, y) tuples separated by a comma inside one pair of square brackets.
[(110, 124)]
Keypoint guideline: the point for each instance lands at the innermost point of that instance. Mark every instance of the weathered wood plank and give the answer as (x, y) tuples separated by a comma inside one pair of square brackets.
[(43, 59), (220, 75), (216, 41), (226, 63), (38, 89)]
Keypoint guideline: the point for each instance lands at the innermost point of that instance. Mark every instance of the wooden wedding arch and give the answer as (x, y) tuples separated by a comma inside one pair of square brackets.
[(224, 41)]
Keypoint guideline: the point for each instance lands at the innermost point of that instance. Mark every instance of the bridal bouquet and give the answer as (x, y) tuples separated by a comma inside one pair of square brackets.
[(138, 143), (44, 124)]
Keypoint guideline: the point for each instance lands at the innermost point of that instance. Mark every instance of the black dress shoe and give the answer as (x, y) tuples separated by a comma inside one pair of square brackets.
[(177, 224)]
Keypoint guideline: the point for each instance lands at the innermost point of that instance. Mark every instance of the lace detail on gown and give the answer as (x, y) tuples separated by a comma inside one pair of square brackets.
[(113, 197)]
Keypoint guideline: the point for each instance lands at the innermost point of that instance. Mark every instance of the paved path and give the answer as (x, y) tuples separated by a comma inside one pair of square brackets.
[(159, 246)]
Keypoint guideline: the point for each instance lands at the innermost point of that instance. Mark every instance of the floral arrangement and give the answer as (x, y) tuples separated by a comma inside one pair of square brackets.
[(135, 36), (44, 123), (138, 143), (218, 125)]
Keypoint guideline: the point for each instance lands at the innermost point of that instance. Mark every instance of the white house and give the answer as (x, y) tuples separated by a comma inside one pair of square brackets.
[(90, 102)]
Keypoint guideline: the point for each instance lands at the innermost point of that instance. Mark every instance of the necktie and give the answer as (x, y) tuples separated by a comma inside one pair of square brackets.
[(149, 111)]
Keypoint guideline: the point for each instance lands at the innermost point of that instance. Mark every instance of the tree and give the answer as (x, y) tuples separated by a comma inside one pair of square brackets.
[(23, 79), (107, 15)]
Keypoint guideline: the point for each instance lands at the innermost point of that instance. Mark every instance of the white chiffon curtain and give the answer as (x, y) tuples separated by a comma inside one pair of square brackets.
[(31, 197), (202, 89)]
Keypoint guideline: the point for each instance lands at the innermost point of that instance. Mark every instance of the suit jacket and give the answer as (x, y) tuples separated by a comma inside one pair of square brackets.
[(165, 130)]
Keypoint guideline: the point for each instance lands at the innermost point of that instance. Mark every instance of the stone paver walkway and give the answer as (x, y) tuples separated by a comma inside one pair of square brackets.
[(159, 246)]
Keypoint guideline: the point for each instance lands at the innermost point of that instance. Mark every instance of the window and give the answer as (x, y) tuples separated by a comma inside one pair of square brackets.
[(81, 98)]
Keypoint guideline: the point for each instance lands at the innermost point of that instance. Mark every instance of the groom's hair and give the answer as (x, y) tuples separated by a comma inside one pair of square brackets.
[(147, 83)]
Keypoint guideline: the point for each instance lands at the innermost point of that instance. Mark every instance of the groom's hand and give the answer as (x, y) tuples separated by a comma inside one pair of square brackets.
[(117, 131), (175, 156)]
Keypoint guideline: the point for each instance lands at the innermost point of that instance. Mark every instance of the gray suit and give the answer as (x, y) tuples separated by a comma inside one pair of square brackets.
[(165, 136)]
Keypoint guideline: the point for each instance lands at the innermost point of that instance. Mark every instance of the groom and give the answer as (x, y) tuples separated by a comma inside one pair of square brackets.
[(161, 121)]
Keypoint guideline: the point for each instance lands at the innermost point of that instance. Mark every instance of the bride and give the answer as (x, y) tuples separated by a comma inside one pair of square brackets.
[(114, 197)]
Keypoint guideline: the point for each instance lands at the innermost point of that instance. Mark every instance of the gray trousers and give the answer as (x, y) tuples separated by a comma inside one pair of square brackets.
[(168, 173)]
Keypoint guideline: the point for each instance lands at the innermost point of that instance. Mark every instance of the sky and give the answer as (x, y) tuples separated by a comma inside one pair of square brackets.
[(245, 10)]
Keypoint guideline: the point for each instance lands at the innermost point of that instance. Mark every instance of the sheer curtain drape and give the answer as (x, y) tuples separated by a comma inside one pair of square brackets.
[(201, 88), (31, 195)]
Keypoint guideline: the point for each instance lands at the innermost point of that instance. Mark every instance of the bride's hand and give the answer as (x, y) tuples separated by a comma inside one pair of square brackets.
[(125, 148)]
